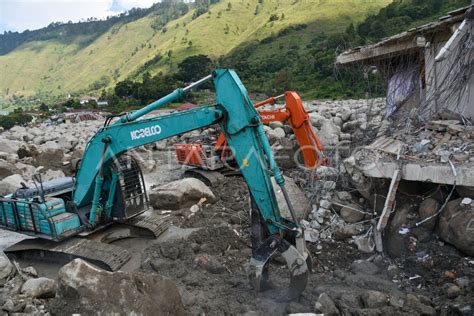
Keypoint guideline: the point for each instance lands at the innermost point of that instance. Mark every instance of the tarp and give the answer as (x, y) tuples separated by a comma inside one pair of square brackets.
[(401, 86)]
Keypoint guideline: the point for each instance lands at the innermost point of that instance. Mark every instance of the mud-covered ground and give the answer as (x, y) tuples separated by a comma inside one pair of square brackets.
[(210, 268)]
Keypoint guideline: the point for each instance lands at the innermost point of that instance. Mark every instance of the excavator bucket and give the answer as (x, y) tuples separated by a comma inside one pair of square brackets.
[(295, 261), (297, 258)]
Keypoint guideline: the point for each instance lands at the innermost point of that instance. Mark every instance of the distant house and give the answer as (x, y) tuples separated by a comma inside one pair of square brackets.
[(86, 99), (102, 103), (428, 68)]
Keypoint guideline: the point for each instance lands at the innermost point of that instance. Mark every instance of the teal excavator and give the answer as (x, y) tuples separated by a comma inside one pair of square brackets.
[(109, 189)]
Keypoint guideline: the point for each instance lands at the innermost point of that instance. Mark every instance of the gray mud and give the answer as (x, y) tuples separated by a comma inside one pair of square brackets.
[(210, 267)]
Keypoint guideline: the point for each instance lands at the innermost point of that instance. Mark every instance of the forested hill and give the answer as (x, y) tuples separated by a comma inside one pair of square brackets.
[(301, 58), (274, 45), (60, 60)]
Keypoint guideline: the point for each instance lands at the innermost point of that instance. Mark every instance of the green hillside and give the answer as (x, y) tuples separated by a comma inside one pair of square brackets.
[(57, 68)]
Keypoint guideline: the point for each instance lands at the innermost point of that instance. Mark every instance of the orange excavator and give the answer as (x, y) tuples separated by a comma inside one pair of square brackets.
[(212, 153)]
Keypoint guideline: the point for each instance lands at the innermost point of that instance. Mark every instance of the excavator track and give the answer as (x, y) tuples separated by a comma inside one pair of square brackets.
[(95, 248), (151, 222), (106, 256)]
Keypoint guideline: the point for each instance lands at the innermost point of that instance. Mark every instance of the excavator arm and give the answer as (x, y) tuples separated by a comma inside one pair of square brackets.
[(243, 130), (295, 113)]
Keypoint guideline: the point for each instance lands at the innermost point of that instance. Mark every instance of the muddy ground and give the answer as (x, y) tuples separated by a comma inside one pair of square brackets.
[(207, 254), (209, 261)]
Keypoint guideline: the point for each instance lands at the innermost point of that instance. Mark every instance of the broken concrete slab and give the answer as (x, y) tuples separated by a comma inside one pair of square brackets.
[(424, 172)]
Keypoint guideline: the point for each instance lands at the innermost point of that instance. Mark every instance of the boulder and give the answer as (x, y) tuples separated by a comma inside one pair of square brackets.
[(326, 306), (317, 119), (27, 171), (344, 113), (347, 231), (180, 194), (14, 307), (28, 150), (67, 142), (50, 159), (285, 152), (328, 133), (351, 126), (11, 158), (344, 136), (275, 135), (428, 207), (36, 131), (6, 269), (374, 299), (351, 213), (50, 145), (39, 288), (10, 184), (209, 263), (463, 283), (10, 146), (364, 267), (6, 169), (89, 290), (365, 244), (275, 124), (52, 174), (297, 197), (337, 121), (344, 195), (452, 290), (414, 303), (455, 225)]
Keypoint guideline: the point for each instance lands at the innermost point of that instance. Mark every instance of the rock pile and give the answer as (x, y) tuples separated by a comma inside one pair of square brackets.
[(340, 125), (21, 290), (55, 148)]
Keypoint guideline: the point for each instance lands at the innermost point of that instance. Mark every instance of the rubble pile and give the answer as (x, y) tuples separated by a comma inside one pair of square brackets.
[(438, 141), (22, 291)]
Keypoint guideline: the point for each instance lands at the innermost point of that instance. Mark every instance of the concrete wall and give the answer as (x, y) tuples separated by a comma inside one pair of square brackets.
[(449, 83)]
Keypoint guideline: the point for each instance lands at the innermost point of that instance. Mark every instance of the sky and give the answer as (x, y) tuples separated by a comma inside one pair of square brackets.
[(19, 15)]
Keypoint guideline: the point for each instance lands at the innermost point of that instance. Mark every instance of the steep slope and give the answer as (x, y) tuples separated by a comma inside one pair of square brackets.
[(54, 68)]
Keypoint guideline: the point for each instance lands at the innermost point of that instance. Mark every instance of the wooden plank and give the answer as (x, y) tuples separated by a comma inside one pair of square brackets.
[(386, 144), (392, 192)]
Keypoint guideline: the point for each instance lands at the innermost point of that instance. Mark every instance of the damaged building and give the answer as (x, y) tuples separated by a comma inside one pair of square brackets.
[(428, 139)]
